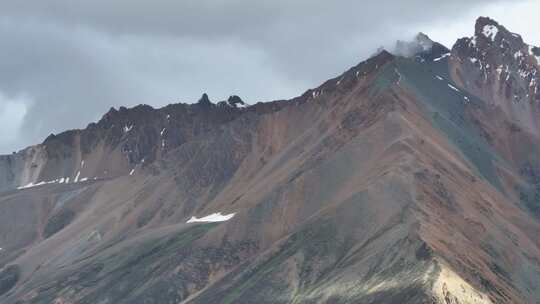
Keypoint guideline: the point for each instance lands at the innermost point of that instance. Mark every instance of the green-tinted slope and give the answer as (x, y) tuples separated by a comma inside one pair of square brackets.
[(446, 106)]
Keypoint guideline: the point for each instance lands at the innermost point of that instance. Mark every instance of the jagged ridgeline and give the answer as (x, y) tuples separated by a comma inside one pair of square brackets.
[(413, 177)]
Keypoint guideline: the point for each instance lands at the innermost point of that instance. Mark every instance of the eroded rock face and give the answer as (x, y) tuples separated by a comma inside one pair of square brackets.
[(21, 168), (450, 288), (122, 140)]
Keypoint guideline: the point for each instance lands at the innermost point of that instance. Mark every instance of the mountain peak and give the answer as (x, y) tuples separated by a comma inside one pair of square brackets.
[(483, 21), (419, 44), (499, 66), (488, 31), (420, 47), (204, 100)]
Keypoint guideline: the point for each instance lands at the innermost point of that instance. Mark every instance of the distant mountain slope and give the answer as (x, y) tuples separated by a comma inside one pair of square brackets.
[(404, 180)]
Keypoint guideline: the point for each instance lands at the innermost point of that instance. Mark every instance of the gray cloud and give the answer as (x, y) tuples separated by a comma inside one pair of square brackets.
[(64, 63)]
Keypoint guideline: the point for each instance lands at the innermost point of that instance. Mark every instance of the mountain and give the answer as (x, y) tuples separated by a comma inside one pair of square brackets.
[(499, 67), (413, 177)]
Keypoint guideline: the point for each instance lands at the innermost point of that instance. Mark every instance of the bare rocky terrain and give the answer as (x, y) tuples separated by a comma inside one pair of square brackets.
[(407, 179)]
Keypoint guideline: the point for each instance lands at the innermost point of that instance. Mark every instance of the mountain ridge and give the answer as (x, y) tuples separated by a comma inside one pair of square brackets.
[(395, 182)]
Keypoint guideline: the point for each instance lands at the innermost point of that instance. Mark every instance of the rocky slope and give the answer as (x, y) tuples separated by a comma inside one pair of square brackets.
[(407, 179)]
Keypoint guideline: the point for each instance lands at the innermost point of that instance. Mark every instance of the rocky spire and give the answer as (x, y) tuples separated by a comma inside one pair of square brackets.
[(204, 100)]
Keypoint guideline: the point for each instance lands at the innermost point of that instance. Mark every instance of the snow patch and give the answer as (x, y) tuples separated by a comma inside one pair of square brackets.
[(58, 180), (524, 74), (442, 57), (499, 71), (473, 42), (132, 171), (242, 105), (212, 218), (31, 185), (127, 128), (399, 76), (453, 88), (490, 31), (62, 180)]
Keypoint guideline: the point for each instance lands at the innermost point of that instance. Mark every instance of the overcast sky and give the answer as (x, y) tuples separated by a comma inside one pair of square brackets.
[(64, 63)]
